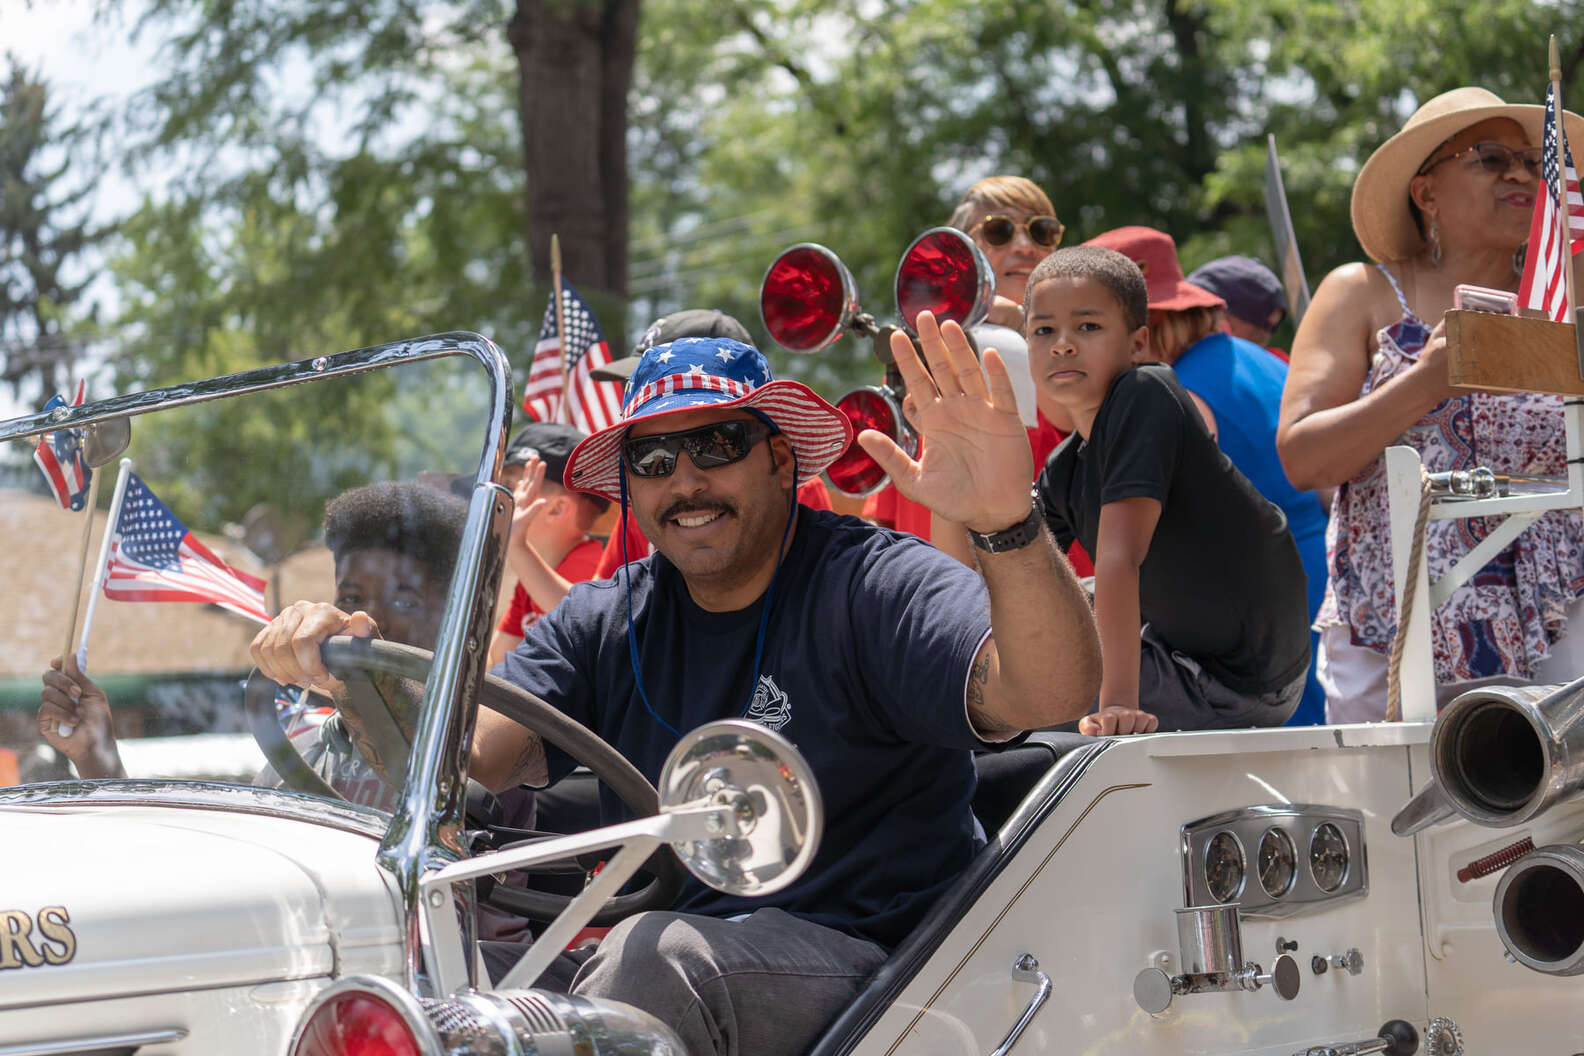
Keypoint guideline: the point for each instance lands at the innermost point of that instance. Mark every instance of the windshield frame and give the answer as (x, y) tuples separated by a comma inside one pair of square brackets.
[(427, 827)]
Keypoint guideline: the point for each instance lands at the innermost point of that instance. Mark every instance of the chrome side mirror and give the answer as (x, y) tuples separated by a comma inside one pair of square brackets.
[(771, 793)]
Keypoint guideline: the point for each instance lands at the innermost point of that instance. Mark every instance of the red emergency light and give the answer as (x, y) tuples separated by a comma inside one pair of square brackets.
[(808, 298), (944, 272)]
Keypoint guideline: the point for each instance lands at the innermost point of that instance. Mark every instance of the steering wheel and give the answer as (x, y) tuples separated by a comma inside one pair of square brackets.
[(384, 683)]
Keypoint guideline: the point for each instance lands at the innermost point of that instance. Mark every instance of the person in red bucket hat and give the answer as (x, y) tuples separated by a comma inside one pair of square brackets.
[(883, 659), (1237, 387)]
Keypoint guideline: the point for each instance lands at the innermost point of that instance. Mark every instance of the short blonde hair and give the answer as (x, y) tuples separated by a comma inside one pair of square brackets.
[(1171, 333), (1006, 192)]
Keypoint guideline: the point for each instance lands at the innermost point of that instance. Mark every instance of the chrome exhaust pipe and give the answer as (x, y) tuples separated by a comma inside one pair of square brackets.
[(1539, 909), (1504, 755)]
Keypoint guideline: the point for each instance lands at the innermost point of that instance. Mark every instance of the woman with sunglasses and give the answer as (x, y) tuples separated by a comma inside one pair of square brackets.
[(1012, 220), (1446, 201)]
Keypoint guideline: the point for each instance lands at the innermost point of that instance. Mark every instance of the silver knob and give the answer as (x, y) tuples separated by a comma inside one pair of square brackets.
[(1352, 961), (1283, 978), (1152, 989)]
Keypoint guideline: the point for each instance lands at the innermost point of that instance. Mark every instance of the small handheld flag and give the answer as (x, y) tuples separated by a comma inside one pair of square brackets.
[(1544, 281), (593, 405), (59, 456), (153, 557)]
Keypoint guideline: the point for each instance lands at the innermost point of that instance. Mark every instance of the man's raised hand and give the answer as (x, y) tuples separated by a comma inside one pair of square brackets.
[(976, 466)]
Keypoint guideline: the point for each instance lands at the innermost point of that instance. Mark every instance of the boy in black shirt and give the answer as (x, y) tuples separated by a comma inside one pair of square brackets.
[(1183, 544)]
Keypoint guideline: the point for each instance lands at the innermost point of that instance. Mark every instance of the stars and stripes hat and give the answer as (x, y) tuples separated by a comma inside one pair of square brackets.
[(695, 372)]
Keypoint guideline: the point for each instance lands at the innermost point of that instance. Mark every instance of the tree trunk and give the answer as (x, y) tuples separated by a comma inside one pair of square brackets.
[(575, 63)]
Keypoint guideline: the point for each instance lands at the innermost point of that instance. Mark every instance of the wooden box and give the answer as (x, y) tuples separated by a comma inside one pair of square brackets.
[(1508, 353)]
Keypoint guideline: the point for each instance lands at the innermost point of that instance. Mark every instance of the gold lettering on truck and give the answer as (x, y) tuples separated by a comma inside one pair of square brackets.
[(57, 943), (52, 921)]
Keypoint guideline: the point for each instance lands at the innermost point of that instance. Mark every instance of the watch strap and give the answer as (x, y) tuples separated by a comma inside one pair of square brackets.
[(1014, 538)]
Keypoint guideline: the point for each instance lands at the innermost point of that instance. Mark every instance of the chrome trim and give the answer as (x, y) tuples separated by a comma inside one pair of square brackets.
[(427, 826), (1248, 825), (198, 795), (98, 1044), (1027, 970)]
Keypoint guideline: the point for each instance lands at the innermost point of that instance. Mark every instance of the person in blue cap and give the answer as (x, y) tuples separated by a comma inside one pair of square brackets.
[(883, 659)]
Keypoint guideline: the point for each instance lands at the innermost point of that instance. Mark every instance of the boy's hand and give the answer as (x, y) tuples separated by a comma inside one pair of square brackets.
[(74, 717), (527, 502), (976, 465), (1108, 722)]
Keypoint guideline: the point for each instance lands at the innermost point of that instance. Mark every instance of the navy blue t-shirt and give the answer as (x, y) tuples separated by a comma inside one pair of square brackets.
[(866, 658)]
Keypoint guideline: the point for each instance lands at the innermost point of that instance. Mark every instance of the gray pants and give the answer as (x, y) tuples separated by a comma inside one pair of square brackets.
[(1184, 696), (762, 986)]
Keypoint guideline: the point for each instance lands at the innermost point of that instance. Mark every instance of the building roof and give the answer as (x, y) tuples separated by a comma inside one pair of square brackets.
[(39, 559)]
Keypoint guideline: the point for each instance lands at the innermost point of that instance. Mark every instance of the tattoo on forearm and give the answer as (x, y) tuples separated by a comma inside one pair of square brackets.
[(978, 679), (531, 768)]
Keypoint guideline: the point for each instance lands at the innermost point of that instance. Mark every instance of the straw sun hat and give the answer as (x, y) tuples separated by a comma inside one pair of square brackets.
[(1381, 219)]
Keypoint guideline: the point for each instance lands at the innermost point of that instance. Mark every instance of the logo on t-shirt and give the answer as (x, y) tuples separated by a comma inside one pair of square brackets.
[(769, 705)]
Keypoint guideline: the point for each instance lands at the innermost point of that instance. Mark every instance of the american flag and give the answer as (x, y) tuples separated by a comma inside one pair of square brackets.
[(1544, 284), (59, 456), (153, 557), (593, 405)]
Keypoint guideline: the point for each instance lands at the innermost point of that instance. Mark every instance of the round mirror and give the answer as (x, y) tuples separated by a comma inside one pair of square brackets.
[(944, 272), (765, 780), (808, 298), (870, 407)]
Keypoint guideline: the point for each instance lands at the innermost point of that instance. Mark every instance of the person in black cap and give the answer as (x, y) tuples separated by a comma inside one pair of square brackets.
[(689, 322), (550, 547), (1255, 301)]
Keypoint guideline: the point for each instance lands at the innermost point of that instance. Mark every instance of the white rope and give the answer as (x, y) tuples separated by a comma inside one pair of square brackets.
[(1405, 610)]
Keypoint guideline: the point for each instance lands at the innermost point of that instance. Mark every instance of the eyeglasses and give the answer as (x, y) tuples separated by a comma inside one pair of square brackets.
[(999, 229), (708, 446), (1494, 158)]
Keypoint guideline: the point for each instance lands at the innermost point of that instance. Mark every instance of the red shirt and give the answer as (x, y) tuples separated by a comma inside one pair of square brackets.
[(579, 564), (812, 494)]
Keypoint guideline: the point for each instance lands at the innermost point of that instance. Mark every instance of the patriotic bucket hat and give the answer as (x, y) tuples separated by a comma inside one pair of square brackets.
[(691, 373)]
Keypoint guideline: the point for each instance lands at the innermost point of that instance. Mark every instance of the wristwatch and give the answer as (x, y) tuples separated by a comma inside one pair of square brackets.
[(1014, 538)]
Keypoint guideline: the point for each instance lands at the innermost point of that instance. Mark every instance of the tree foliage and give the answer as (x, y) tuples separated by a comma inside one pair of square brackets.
[(43, 235), (351, 172)]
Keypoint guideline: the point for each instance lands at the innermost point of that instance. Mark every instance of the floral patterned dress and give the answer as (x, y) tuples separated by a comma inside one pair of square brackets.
[(1504, 620)]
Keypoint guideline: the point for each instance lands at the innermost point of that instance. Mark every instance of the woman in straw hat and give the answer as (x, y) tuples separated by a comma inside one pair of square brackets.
[(1447, 200)]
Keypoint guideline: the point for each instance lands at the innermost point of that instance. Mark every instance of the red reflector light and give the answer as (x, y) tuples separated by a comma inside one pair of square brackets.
[(356, 1024), (855, 473), (805, 298), (945, 273)]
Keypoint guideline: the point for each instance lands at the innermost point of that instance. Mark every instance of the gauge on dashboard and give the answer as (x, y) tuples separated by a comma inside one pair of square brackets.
[(1328, 857), (1278, 862), (1224, 867)]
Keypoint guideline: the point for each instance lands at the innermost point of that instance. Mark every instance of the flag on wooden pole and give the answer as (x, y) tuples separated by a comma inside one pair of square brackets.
[(153, 557), (561, 365), (1545, 280)]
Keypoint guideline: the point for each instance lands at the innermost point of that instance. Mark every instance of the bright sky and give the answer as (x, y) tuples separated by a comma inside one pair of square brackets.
[(83, 62)]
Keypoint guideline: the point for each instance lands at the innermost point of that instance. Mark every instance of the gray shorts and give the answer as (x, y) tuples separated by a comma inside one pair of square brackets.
[(1184, 696)]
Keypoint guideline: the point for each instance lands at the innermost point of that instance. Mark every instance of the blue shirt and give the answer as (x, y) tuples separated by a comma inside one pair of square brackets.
[(870, 640), (1242, 383)]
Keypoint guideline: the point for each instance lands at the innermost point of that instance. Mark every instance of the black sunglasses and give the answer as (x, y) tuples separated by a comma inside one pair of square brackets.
[(708, 446), (999, 229), (1494, 158)]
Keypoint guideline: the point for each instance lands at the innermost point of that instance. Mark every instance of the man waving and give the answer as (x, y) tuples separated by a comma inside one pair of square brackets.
[(884, 660)]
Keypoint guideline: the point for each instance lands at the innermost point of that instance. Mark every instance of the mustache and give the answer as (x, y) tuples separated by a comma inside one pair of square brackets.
[(685, 506)]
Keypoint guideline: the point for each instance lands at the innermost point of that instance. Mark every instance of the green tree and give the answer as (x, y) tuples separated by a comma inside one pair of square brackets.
[(43, 236)]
